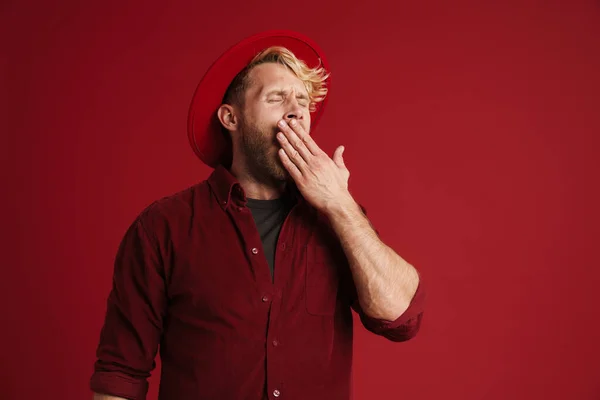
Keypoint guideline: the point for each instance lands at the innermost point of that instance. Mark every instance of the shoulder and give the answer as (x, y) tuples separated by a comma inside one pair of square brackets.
[(176, 207)]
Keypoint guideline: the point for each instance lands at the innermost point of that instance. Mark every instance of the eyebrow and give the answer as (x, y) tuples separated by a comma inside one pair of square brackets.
[(279, 92)]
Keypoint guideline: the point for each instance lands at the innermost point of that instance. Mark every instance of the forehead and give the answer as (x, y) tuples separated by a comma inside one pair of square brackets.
[(272, 75)]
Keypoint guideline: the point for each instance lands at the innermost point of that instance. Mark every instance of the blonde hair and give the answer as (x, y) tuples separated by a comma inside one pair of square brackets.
[(314, 79)]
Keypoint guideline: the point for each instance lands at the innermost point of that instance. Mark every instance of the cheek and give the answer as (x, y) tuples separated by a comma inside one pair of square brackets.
[(262, 113)]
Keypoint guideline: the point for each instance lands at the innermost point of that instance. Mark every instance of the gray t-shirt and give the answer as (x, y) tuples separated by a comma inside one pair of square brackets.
[(269, 216)]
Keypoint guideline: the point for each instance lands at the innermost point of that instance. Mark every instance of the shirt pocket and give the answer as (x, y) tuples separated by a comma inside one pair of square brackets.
[(322, 281)]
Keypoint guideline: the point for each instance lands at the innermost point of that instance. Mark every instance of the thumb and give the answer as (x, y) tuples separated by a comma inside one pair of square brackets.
[(337, 156)]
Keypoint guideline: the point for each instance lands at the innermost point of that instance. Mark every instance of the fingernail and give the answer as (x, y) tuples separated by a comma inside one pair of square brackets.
[(282, 123), (293, 122)]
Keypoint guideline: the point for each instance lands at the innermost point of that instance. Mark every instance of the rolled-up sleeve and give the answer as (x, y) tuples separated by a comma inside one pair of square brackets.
[(133, 323), (405, 327)]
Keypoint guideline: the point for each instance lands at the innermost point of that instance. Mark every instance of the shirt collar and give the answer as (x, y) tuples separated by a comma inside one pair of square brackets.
[(227, 188)]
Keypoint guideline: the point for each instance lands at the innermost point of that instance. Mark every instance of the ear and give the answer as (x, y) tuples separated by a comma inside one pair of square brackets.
[(229, 120)]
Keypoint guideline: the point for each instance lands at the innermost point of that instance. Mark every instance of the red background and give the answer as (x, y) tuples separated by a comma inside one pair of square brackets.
[(471, 132)]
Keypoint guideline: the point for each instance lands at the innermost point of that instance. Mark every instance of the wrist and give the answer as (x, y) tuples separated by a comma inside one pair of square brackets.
[(345, 207)]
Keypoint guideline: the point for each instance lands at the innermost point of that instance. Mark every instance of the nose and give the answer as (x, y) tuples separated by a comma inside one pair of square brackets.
[(294, 111), (290, 116)]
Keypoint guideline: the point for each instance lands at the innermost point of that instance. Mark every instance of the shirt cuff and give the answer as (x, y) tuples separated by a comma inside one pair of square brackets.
[(115, 384), (405, 326)]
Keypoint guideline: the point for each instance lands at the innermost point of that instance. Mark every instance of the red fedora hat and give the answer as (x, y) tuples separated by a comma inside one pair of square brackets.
[(204, 129)]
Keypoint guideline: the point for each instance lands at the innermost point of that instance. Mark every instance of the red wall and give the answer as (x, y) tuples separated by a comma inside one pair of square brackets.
[(471, 132)]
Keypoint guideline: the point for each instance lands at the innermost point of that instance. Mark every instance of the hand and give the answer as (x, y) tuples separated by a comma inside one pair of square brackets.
[(323, 181)]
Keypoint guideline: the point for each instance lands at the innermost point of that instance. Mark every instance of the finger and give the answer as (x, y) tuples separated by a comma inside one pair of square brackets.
[(292, 153), (308, 141), (298, 137), (338, 156), (289, 165)]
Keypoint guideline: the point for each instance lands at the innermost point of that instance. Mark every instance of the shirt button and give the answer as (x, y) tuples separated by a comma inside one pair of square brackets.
[(275, 343), (239, 208), (254, 250), (265, 298), (283, 246), (276, 393)]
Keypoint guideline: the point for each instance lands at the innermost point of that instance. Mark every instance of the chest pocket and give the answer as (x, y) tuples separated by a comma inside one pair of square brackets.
[(322, 280)]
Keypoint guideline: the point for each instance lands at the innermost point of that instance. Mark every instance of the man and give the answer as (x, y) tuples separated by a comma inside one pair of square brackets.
[(247, 280)]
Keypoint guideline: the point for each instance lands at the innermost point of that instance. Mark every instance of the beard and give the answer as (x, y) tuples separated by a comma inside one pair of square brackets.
[(260, 148)]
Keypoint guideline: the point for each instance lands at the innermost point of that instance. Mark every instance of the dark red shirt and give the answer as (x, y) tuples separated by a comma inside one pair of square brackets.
[(190, 276)]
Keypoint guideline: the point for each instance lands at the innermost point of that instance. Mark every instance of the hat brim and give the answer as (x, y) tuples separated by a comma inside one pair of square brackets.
[(204, 128)]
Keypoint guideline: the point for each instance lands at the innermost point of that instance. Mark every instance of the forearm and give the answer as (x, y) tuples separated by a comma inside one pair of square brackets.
[(98, 396), (385, 283)]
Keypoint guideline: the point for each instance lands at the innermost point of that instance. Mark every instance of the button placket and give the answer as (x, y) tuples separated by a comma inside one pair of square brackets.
[(251, 242)]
